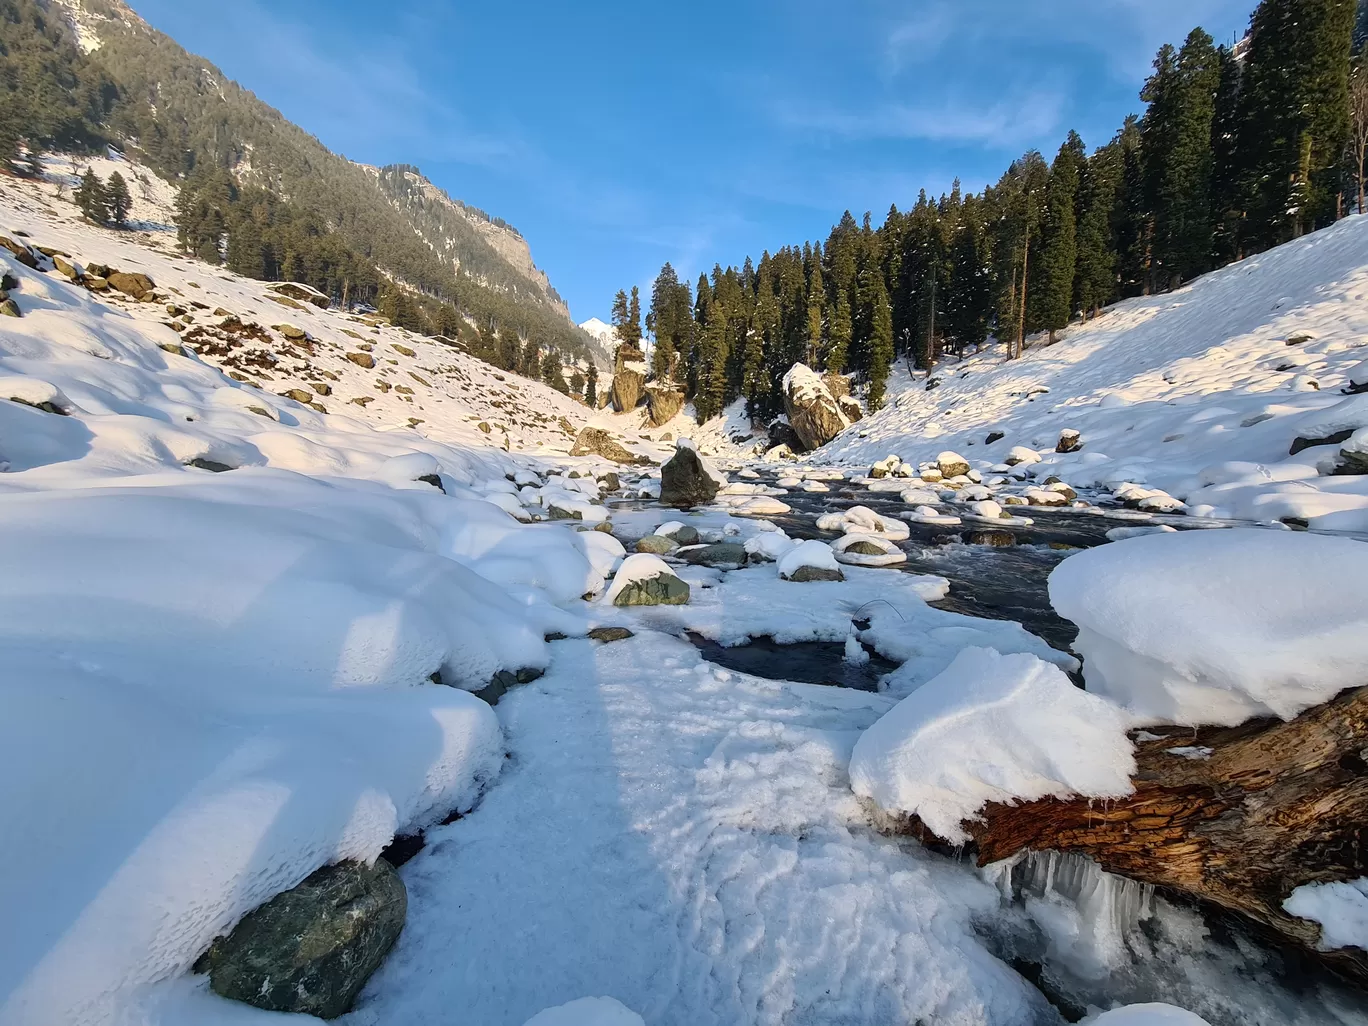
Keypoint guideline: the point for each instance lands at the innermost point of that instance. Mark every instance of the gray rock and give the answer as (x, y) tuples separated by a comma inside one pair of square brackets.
[(629, 384), (685, 535), (685, 482), (9, 308), (663, 590), (1300, 443), (1069, 441), (656, 545), (953, 468), (993, 436), (311, 949), (808, 574), (558, 513), (608, 635), (610, 482), (864, 548), (722, 555)]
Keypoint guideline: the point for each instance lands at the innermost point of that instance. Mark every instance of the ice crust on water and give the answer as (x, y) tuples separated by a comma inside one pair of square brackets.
[(1217, 627), (991, 728), (1148, 1014)]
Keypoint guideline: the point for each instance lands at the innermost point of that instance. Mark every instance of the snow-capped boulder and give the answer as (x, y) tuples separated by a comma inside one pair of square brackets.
[(952, 464), (813, 412), (810, 561), (1019, 454), (647, 580), (1069, 441), (722, 555), (868, 550)]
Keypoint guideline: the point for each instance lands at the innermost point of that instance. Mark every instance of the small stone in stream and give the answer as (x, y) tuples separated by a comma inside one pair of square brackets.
[(608, 635), (656, 545), (311, 949), (662, 590), (610, 482), (685, 481), (952, 464), (200, 463), (809, 574), (722, 555), (603, 527)]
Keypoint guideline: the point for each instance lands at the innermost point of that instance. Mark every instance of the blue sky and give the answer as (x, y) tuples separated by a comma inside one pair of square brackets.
[(618, 135)]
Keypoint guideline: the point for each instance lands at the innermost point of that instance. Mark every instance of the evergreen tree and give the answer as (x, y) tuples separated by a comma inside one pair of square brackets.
[(1053, 295), (816, 300), (1130, 223), (969, 294), (1294, 117), (620, 317), (840, 335), (92, 198), (119, 200), (713, 352), (1225, 154), (634, 318), (591, 386), (551, 371), (577, 383), (880, 342), (755, 378), (1095, 275)]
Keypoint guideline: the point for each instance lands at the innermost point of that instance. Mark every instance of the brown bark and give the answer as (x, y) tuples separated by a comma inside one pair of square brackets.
[(1276, 805)]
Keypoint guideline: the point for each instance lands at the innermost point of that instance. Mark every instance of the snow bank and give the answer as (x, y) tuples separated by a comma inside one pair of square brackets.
[(1217, 627), (1341, 909), (213, 687), (991, 728)]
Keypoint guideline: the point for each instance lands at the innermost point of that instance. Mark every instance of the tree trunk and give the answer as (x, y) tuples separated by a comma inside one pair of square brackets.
[(1275, 805)]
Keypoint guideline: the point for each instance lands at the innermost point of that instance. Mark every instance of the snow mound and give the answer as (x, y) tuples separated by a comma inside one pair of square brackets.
[(1340, 907), (991, 728), (600, 1011), (1152, 1014), (815, 554), (1217, 627)]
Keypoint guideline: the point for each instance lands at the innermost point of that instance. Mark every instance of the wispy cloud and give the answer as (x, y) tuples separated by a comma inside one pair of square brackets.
[(1001, 123)]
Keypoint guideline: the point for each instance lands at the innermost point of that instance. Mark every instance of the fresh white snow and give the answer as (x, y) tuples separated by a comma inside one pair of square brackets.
[(1217, 627), (1340, 907), (991, 728)]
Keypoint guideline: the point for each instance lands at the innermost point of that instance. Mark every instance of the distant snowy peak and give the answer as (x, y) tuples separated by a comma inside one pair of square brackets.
[(605, 333)]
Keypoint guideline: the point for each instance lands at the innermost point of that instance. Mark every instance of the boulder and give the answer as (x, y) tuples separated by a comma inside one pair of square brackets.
[(656, 545), (684, 535), (812, 410), (661, 590), (597, 442), (299, 395), (311, 949), (362, 360), (722, 555), (301, 292), (67, 268), (1299, 443), (994, 436), (292, 333), (629, 378), (19, 251), (561, 513), (782, 435), (321, 388), (131, 284), (685, 481), (952, 464), (607, 635), (808, 574), (609, 481), (1069, 441), (665, 404), (9, 308)]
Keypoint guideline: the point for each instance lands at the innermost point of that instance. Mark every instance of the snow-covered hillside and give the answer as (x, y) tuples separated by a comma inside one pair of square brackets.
[(1200, 393), (414, 384)]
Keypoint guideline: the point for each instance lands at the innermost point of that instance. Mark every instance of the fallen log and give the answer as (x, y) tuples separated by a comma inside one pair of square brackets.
[(1237, 816)]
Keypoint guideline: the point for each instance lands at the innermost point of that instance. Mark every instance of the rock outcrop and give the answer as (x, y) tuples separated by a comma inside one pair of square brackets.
[(311, 949), (813, 412), (662, 590), (138, 286), (629, 378), (664, 403)]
